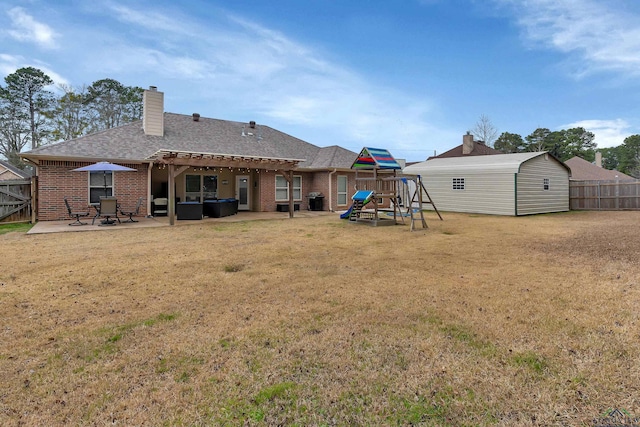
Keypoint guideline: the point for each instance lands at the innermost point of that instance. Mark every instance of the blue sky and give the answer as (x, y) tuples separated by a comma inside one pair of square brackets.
[(411, 76)]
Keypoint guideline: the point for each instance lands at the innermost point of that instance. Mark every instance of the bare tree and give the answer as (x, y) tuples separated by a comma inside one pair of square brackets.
[(484, 130)]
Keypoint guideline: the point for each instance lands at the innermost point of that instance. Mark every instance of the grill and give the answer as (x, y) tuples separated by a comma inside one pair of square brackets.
[(315, 201)]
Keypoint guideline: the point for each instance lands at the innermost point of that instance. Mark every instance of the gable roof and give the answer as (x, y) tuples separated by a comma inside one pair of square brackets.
[(8, 169), (182, 133), (479, 149), (582, 170), (509, 163), (375, 158)]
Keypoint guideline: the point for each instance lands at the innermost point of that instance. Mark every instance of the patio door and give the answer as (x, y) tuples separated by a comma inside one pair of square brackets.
[(242, 192)]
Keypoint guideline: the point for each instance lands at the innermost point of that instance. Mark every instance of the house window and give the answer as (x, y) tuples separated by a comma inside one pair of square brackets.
[(545, 183), (200, 187), (458, 184), (282, 188), (100, 185), (342, 190)]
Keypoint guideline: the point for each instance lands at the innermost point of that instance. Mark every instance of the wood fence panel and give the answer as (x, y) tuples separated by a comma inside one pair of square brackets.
[(604, 195), (15, 201)]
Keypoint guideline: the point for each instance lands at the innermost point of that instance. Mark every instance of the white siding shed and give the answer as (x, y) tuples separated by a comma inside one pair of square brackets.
[(503, 184)]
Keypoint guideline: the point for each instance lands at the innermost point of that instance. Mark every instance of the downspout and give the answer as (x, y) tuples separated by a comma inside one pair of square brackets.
[(331, 190), (149, 171)]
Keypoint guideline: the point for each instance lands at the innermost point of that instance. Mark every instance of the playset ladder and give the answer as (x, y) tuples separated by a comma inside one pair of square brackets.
[(417, 197)]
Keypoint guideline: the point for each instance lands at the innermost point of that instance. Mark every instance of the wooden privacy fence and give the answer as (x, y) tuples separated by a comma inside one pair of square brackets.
[(15, 201), (604, 195)]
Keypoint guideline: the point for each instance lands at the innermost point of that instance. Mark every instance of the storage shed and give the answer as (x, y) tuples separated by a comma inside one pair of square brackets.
[(507, 184)]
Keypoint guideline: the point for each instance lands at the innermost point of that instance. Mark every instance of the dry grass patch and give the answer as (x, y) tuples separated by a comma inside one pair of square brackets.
[(478, 320)]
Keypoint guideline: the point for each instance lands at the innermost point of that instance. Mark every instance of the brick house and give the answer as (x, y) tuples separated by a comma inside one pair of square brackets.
[(192, 158), (582, 170), (9, 172), (469, 147)]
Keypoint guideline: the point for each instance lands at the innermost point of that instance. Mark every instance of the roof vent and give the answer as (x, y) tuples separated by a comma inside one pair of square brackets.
[(196, 117), (252, 124)]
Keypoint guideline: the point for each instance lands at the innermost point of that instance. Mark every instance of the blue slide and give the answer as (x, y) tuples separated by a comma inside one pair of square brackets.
[(363, 196), (347, 213)]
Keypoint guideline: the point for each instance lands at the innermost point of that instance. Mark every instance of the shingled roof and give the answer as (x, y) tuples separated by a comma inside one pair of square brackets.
[(8, 171), (582, 170), (479, 149), (129, 143)]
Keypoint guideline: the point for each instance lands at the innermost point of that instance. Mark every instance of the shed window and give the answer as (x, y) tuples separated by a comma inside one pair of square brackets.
[(545, 183), (458, 184)]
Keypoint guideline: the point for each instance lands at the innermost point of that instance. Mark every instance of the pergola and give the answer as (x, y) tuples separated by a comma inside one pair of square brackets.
[(179, 161)]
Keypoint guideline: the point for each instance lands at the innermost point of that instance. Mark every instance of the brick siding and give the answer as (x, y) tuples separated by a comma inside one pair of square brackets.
[(57, 180)]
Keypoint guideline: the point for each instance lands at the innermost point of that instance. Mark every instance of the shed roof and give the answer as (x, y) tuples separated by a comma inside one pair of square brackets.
[(508, 163)]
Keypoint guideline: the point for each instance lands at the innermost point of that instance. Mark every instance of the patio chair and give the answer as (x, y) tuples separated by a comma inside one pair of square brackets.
[(108, 210), (131, 213), (160, 206), (76, 214)]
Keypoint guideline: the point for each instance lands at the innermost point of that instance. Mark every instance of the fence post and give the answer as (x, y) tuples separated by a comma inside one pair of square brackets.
[(34, 199)]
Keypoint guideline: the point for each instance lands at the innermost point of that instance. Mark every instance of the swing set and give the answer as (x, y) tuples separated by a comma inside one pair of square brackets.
[(380, 190)]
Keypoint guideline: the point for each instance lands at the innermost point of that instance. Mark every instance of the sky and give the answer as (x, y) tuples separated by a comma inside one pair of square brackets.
[(411, 76)]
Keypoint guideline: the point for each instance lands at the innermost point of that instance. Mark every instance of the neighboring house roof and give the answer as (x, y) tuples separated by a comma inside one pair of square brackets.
[(479, 149), (582, 170), (129, 143), (509, 163), (8, 172), (375, 158)]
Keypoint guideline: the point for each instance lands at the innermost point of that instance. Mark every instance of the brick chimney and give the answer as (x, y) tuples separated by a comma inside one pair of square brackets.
[(598, 159), (153, 112), (467, 144)]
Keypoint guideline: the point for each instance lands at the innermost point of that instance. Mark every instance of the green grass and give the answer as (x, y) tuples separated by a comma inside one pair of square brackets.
[(21, 227), (530, 360)]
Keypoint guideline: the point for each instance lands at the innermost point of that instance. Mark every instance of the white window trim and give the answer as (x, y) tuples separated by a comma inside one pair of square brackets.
[(101, 186), (299, 199), (546, 184), (458, 184), (344, 193), (200, 194)]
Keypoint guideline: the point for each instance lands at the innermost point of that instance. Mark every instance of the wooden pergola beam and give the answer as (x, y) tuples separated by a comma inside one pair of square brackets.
[(226, 162), (178, 162)]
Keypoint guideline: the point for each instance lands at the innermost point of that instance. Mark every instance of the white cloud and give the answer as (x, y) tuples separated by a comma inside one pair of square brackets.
[(25, 28), (608, 133), (9, 64), (232, 67), (603, 35), (247, 67)]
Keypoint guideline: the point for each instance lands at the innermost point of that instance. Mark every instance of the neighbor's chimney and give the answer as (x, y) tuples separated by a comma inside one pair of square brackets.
[(196, 117), (598, 159), (467, 144), (252, 124), (153, 112)]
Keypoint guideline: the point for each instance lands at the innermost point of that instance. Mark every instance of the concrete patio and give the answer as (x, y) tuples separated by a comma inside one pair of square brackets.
[(42, 227)]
